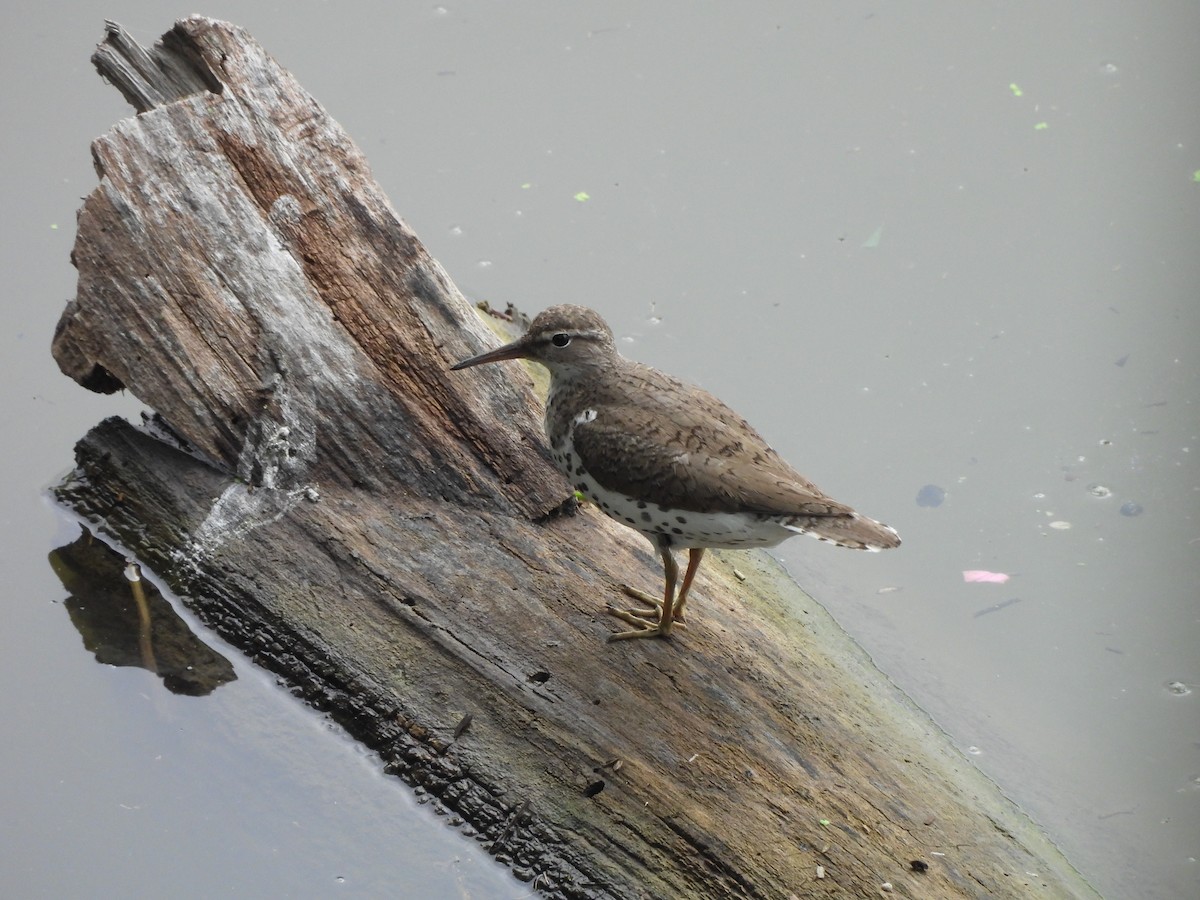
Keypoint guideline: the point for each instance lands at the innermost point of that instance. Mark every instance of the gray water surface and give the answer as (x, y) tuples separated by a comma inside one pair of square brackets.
[(943, 256)]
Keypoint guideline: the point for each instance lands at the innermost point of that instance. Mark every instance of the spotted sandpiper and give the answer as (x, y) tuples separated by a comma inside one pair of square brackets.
[(669, 460)]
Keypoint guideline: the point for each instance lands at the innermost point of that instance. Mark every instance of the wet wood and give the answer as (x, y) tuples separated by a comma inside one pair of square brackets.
[(382, 533)]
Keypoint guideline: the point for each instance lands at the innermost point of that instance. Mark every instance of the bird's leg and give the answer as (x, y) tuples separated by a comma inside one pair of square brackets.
[(653, 610), (657, 618), (694, 556)]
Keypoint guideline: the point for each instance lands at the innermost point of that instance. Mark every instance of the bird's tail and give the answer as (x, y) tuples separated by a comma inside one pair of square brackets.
[(854, 531)]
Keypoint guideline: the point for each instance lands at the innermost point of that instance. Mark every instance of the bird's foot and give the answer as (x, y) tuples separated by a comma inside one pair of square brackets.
[(647, 619), (650, 631), (653, 610)]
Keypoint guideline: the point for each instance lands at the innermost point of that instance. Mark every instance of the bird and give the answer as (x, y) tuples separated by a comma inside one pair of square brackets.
[(669, 460)]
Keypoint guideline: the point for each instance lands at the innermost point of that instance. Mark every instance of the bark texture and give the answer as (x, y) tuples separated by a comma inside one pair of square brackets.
[(380, 531)]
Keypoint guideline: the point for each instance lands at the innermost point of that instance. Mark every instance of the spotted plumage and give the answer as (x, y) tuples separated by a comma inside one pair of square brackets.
[(669, 459)]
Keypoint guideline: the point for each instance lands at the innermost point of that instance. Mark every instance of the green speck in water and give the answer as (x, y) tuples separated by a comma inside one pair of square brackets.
[(583, 196), (1016, 89)]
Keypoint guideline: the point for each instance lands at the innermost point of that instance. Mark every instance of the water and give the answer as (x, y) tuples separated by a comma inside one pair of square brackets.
[(841, 219)]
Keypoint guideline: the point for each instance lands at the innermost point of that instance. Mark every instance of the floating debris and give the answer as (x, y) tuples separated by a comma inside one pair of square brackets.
[(1131, 509), (931, 496), (982, 576)]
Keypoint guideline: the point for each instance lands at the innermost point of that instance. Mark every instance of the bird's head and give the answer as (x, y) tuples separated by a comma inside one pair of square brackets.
[(562, 338)]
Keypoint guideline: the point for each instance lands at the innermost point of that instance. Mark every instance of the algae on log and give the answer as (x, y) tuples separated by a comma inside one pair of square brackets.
[(379, 531)]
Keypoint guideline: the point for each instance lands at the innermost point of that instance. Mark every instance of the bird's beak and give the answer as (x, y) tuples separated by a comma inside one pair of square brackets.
[(515, 350)]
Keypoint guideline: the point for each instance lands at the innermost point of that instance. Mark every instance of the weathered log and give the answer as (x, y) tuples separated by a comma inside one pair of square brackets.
[(379, 531)]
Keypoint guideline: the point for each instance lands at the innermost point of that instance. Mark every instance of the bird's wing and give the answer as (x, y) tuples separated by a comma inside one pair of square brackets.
[(690, 460)]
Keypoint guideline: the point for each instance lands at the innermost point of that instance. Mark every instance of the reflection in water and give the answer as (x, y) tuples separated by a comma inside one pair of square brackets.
[(125, 621), (133, 572)]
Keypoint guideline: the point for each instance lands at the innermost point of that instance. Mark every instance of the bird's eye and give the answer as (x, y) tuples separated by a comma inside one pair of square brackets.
[(561, 339)]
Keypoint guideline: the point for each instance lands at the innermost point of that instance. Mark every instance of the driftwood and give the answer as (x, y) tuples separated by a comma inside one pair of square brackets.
[(392, 539)]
